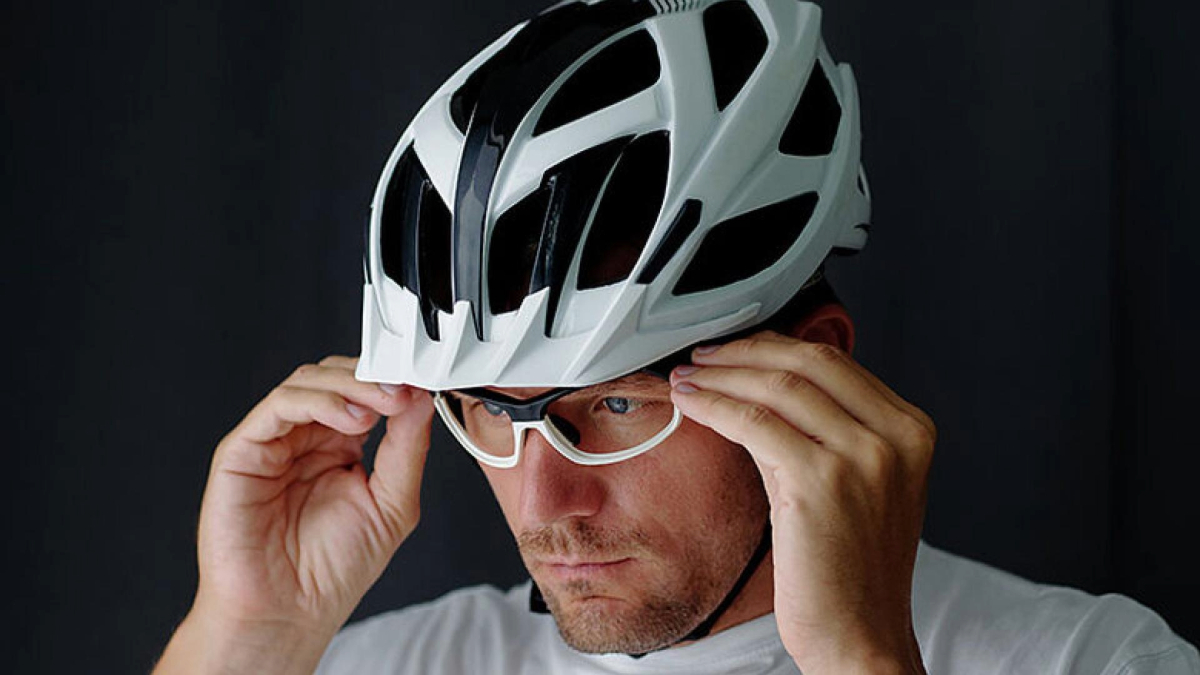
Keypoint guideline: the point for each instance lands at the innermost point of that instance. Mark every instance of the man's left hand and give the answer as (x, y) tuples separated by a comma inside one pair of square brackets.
[(844, 460)]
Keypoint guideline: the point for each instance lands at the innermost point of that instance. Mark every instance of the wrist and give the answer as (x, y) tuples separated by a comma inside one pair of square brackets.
[(862, 658), (864, 665), (205, 643)]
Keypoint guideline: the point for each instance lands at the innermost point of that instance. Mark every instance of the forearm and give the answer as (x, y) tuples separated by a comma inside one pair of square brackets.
[(852, 658), (202, 645)]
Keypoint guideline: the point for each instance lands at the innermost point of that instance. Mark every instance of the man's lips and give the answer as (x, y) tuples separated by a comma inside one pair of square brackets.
[(576, 567)]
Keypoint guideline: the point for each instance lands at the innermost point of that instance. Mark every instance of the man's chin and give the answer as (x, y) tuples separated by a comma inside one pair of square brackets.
[(604, 605), (596, 622)]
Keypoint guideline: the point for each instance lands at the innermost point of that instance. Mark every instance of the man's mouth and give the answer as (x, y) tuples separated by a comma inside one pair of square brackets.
[(579, 568)]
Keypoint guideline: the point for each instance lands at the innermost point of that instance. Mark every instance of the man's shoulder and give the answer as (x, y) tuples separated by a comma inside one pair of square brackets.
[(483, 604), (448, 634), (964, 609)]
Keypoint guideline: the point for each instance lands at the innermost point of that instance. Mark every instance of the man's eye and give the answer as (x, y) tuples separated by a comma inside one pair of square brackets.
[(493, 409), (620, 404)]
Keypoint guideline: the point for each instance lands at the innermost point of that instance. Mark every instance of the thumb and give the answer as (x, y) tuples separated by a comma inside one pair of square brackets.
[(395, 483)]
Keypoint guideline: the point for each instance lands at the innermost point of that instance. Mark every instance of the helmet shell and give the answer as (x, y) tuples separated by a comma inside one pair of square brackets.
[(719, 187)]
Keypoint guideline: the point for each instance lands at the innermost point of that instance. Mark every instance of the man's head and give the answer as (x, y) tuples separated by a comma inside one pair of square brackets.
[(604, 185), (632, 556)]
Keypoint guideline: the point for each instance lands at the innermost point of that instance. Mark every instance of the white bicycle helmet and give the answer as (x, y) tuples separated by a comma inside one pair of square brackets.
[(608, 183)]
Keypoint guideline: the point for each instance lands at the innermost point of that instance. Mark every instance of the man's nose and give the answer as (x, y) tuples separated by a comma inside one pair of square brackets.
[(553, 487)]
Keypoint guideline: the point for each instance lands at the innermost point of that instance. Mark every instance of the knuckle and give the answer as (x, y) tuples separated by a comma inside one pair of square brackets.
[(821, 352), (930, 426), (787, 501), (916, 434), (285, 393), (875, 445), (277, 395), (835, 470), (274, 454), (782, 381), (755, 415), (877, 455), (304, 371)]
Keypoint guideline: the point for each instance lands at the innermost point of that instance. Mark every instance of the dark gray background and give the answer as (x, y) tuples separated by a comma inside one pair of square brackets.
[(184, 186)]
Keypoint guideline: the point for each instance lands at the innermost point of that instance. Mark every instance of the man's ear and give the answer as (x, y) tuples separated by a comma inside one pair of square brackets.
[(830, 324)]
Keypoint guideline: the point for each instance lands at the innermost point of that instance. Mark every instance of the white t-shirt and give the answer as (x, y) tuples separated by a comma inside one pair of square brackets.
[(969, 618)]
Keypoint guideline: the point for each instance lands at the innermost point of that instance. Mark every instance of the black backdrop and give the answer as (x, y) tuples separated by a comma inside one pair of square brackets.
[(184, 185)]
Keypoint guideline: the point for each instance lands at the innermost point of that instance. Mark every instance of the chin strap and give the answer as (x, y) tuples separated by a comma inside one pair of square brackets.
[(764, 545), (537, 603)]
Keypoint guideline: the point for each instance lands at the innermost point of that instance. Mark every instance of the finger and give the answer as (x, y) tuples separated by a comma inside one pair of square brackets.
[(337, 451), (338, 361), (400, 462), (287, 407), (796, 400), (265, 470), (828, 368), (896, 400), (770, 440), (382, 398)]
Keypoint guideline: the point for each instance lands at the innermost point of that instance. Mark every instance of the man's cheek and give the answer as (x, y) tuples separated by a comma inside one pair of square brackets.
[(506, 489)]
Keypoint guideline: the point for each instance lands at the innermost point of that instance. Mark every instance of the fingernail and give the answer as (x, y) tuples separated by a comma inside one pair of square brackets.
[(684, 371), (707, 349), (685, 388), (356, 410), (390, 389)]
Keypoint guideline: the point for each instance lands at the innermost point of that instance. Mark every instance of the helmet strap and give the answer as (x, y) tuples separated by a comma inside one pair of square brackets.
[(764, 545)]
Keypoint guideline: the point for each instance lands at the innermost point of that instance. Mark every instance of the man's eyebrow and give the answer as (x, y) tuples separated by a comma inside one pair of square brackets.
[(638, 384)]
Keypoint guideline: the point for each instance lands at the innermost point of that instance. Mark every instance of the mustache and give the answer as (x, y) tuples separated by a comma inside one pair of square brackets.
[(576, 538)]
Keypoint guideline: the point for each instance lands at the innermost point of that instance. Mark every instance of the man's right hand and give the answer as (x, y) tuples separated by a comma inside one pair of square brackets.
[(292, 530)]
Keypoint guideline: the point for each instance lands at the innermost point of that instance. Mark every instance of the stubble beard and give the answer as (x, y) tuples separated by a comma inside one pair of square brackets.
[(659, 616)]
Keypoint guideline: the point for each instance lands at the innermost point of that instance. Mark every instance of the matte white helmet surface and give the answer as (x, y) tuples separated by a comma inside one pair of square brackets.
[(605, 184)]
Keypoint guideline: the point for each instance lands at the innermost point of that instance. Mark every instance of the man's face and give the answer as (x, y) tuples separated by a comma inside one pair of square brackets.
[(633, 555)]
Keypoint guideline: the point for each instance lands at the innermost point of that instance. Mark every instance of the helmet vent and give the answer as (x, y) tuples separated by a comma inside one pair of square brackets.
[(813, 126), (736, 44), (414, 238), (742, 246), (672, 6), (462, 103), (627, 213), (681, 227), (513, 250), (617, 72)]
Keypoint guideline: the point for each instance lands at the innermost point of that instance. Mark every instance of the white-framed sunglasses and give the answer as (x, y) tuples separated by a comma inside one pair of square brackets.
[(594, 425), (600, 424)]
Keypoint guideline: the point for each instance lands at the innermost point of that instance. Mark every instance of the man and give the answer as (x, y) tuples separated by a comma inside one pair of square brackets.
[(596, 254)]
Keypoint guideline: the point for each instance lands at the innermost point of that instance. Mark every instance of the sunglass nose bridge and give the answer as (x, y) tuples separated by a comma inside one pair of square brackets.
[(552, 435)]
